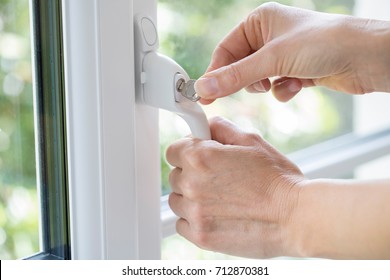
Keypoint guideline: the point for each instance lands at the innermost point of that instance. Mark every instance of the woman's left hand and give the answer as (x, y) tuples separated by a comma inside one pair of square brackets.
[(234, 194)]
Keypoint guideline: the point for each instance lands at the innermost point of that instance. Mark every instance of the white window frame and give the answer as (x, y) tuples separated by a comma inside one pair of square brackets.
[(116, 207), (113, 151)]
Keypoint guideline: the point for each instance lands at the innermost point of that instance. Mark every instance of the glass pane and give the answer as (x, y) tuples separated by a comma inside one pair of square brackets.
[(19, 229), (315, 115), (189, 32)]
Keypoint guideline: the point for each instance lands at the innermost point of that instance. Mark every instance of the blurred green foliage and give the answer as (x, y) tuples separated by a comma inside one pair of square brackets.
[(189, 32), (19, 233)]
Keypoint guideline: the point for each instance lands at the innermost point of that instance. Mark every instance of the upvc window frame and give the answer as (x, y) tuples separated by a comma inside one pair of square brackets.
[(116, 208), (50, 131), (113, 151)]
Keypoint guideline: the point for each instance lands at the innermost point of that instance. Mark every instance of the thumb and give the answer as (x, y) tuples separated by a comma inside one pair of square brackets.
[(227, 133), (233, 77)]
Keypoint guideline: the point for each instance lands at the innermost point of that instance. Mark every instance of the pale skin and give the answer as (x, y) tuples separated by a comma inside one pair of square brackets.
[(236, 194)]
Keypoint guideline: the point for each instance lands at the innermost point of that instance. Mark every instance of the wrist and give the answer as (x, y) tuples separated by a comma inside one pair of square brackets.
[(316, 226), (384, 43), (375, 59), (295, 231), (312, 220)]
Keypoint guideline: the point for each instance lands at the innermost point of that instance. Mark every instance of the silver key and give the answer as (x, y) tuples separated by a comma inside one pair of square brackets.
[(187, 89)]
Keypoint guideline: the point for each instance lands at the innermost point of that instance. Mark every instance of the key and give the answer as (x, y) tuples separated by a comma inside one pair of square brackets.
[(187, 89)]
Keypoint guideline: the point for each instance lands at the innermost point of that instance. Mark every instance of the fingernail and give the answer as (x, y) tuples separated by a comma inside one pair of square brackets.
[(293, 87), (206, 87), (259, 87)]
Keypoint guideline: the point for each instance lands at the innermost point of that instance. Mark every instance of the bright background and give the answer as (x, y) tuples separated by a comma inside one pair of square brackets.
[(19, 233)]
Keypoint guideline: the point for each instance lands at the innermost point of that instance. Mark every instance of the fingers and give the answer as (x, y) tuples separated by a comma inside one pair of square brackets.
[(232, 48), (177, 150), (285, 88), (227, 133), (176, 203), (235, 76), (258, 87), (206, 101), (175, 180), (235, 61), (255, 51), (193, 152)]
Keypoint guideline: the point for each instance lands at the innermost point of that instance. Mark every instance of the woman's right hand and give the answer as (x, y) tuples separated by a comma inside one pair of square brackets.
[(301, 48)]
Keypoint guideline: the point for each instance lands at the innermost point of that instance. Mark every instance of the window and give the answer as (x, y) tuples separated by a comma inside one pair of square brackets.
[(99, 156), (313, 116), (19, 215), (113, 151), (39, 231), (51, 130), (366, 121), (316, 115)]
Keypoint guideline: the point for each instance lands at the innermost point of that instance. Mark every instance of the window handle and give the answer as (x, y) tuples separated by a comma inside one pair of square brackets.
[(159, 79)]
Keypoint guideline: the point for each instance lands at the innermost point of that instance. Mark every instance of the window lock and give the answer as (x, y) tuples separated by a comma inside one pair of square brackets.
[(163, 83)]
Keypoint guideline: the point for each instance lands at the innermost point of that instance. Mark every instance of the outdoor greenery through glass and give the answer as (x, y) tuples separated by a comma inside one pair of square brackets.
[(19, 228), (19, 209), (189, 32)]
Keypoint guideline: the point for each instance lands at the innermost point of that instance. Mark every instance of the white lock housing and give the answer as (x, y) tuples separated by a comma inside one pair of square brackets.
[(156, 78)]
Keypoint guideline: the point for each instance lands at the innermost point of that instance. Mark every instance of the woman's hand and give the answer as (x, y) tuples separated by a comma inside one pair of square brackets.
[(235, 194), (302, 48)]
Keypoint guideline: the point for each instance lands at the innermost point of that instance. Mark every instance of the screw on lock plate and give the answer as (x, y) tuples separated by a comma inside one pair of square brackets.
[(187, 89)]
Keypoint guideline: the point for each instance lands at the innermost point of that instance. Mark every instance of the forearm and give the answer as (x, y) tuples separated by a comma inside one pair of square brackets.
[(343, 219)]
